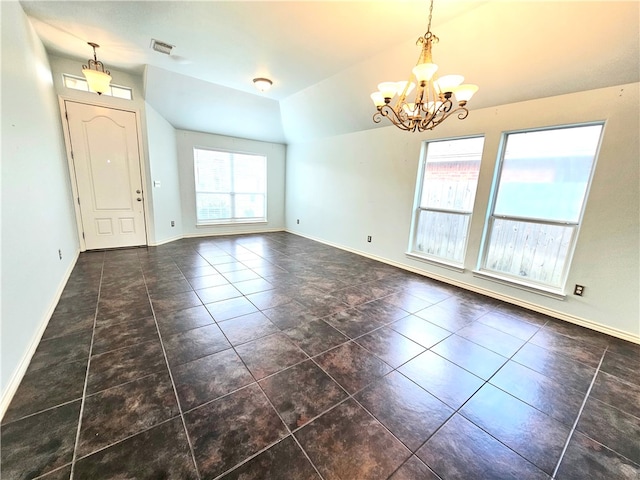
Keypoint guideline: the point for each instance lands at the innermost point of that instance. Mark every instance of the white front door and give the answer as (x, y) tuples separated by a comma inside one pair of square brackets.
[(106, 160)]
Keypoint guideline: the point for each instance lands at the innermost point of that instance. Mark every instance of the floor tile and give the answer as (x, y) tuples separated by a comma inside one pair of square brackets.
[(625, 368), (70, 348), (623, 347), (527, 431), (124, 334), (174, 302), (209, 377), (247, 327), (420, 331), (208, 281), (66, 324), (229, 267), (488, 337), (555, 399), (217, 294), (315, 337), (198, 271), (199, 342), (575, 349), (462, 451), (183, 320), (63, 473), (443, 379), (40, 443), (352, 366), (168, 287), (283, 461), (407, 302), (559, 368), (125, 364), (523, 314), (301, 393), (470, 356), (114, 414), (508, 324), (115, 311), (46, 388), (216, 428), (617, 393), (270, 354), (447, 319), (247, 287), (269, 299), (586, 458), (353, 322), (584, 335), (290, 315), (390, 346), (469, 307), (160, 452), (382, 311), (407, 410), (230, 308), (414, 469), (612, 428), (347, 442)]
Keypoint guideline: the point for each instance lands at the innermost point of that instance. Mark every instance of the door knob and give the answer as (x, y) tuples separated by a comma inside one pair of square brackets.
[(138, 191), (139, 199)]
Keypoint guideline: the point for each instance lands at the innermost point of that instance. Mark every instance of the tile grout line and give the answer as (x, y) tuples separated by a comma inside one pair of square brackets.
[(173, 383), (86, 376), (575, 423)]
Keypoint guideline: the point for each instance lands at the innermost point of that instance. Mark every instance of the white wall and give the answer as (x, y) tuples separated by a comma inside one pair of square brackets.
[(275, 154), (37, 210), (345, 187), (165, 204)]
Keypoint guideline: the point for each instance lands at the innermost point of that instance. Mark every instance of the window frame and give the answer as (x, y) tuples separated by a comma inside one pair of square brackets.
[(412, 252), (233, 220), (490, 218)]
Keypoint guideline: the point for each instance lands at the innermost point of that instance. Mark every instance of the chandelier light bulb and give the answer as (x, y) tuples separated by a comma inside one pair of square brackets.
[(428, 105)]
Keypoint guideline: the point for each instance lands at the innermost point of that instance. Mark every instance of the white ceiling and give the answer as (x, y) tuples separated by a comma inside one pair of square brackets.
[(325, 57)]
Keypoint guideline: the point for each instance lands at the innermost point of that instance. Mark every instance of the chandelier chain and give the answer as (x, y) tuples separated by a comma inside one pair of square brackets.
[(430, 15)]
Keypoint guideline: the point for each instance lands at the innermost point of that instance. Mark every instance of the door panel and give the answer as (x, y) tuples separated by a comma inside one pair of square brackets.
[(104, 145)]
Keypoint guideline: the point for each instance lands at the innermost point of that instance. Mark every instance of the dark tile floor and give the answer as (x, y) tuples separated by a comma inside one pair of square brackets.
[(275, 357)]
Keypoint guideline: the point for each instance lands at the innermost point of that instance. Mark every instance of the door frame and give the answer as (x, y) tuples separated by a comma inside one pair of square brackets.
[(146, 192)]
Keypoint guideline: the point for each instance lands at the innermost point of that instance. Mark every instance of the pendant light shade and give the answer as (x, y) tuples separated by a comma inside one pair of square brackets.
[(97, 77)]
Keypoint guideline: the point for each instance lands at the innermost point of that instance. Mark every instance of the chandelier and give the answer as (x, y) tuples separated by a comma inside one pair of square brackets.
[(97, 77), (433, 97)]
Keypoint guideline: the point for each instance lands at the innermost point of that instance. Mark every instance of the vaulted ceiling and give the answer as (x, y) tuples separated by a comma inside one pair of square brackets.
[(326, 57)]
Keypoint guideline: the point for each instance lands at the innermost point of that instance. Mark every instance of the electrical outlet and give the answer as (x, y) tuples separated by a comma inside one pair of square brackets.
[(298, 221), (60, 254), (578, 290), (369, 239), (173, 223)]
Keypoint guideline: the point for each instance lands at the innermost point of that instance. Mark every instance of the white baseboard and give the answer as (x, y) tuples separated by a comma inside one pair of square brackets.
[(614, 332), (18, 374), (166, 240), (235, 232)]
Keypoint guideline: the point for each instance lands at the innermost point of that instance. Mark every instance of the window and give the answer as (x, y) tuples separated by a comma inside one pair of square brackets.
[(539, 199), (230, 187), (444, 199), (80, 83)]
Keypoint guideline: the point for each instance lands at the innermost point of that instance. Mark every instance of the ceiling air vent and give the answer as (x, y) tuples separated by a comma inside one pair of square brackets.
[(161, 47)]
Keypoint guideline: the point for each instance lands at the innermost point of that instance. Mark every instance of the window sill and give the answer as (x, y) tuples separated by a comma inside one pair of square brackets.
[(231, 222), (551, 292), (435, 261)]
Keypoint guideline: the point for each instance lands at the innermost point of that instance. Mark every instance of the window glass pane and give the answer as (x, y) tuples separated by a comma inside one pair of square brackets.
[(212, 171), (249, 173), (213, 206), (442, 234), (120, 92), (249, 205), (532, 251), (545, 173), (229, 186), (451, 174)]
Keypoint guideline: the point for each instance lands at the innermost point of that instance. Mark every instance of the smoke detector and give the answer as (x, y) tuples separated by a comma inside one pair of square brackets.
[(161, 47)]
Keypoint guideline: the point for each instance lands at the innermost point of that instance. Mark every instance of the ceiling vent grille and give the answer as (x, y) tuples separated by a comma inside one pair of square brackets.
[(161, 47)]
